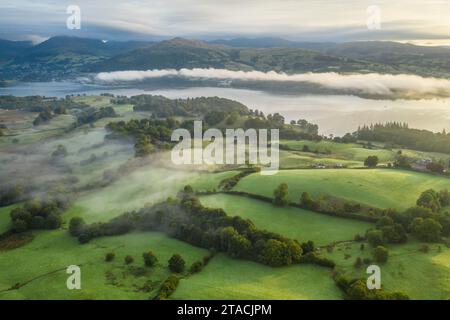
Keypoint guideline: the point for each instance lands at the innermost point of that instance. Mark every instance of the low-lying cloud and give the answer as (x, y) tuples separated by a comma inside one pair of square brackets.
[(371, 83)]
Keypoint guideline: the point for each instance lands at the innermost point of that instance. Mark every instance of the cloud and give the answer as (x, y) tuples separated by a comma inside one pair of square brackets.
[(372, 83)]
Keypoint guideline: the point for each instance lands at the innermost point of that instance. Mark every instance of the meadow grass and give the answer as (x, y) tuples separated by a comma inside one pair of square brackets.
[(5, 219), (346, 151), (408, 269), (291, 222), (375, 187), (46, 258), (132, 192), (225, 278)]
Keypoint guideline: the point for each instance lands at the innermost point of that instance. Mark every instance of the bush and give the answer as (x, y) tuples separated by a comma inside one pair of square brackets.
[(197, 266), (128, 259), (168, 287), (149, 259), (281, 194), (76, 226), (109, 256), (371, 161), (176, 263), (375, 237), (380, 254)]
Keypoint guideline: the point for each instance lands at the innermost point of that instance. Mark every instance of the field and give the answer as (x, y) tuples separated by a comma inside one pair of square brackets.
[(99, 279), (420, 275), (375, 187), (224, 278), (5, 220), (295, 223), (146, 186)]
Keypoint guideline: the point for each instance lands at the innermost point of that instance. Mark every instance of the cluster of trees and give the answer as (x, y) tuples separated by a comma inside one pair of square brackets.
[(44, 116), (186, 219), (356, 289), (10, 194), (298, 131), (147, 133), (90, 115), (228, 183), (168, 287), (400, 134), (39, 104), (163, 107), (426, 221), (38, 213)]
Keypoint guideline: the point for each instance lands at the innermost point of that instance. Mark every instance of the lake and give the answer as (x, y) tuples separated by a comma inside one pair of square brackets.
[(335, 114)]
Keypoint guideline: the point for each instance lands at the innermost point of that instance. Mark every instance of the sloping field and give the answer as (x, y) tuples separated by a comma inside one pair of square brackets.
[(375, 187), (294, 223), (225, 278), (45, 259)]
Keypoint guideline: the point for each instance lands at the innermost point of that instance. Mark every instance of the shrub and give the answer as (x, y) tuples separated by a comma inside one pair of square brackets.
[(281, 195), (176, 263), (380, 254), (197, 266), (128, 259), (110, 256), (149, 259), (76, 226)]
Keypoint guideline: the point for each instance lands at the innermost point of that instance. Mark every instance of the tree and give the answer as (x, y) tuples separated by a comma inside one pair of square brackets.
[(375, 237), (380, 254), (371, 161), (60, 152), (197, 266), (435, 167), (76, 226), (109, 256), (149, 259), (281, 194), (176, 263), (128, 259), (275, 253), (402, 162), (428, 229), (308, 203), (444, 198), (429, 199)]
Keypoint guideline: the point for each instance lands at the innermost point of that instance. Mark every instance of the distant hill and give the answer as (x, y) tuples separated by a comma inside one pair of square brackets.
[(65, 57), (61, 56), (181, 53), (402, 57), (11, 49)]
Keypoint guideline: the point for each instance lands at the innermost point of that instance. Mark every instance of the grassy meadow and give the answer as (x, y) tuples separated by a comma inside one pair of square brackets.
[(295, 223), (383, 188), (225, 278)]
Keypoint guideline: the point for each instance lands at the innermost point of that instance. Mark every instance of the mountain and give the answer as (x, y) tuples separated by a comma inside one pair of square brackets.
[(176, 53), (11, 49), (181, 53), (400, 57), (62, 57)]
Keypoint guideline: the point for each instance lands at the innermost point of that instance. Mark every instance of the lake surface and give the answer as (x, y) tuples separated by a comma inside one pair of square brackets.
[(335, 114)]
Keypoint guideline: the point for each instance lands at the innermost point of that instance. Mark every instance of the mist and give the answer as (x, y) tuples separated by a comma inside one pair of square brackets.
[(371, 83)]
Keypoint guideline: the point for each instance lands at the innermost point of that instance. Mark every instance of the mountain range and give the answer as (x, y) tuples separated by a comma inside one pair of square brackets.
[(66, 57)]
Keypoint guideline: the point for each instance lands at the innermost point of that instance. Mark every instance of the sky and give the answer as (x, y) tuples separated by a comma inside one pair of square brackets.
[(417, 21)]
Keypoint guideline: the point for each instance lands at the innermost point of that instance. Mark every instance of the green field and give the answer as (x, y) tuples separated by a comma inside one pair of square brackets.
[(375, 187), (294, 223), (43, 262), (345, 151), (133, 191), (418, 274), (5, 219), (225, 278), (295, 159)]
